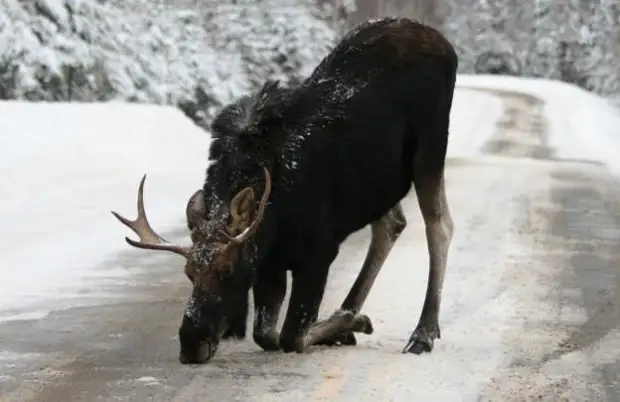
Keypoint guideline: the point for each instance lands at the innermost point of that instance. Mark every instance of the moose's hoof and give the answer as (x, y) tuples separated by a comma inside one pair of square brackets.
[(362, 324), (235, 332), (422, 339), (292, 343), (268, 342)]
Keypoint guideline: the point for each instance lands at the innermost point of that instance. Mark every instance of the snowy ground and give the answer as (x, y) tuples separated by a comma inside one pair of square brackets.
[(530, 308)]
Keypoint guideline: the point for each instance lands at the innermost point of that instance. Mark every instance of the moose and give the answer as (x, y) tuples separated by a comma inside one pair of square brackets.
[(293, 171)]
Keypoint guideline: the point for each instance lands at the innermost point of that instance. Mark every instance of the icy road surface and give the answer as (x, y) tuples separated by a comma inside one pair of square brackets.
[(530, 307)]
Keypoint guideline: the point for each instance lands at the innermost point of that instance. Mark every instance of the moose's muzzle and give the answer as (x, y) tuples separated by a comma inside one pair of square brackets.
[(199, 353)]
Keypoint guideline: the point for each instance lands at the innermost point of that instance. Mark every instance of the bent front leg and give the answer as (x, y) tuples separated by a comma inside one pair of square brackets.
[(269, 292), (384, 233), (301, 329), (308, 287)]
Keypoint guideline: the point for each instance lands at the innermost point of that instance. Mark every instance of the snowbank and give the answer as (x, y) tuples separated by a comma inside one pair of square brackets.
[(572, 41), (198, 56), (582, 125), (63, 167)]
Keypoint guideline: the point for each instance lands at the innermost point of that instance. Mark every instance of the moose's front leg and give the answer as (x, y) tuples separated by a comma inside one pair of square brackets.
[(301, 328), (238, 323), (269, 292), (308, 287), (340, 326)]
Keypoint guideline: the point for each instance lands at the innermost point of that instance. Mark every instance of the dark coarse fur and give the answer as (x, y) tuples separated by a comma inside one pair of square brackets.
[(343, 148), (237, 146)]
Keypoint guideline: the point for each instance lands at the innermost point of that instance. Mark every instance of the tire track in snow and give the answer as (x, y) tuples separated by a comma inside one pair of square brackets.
[(574, 222), (566, 345), (522, 130)]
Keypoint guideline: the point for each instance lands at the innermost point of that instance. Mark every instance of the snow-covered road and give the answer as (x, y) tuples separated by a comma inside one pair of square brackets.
[(531, 305)]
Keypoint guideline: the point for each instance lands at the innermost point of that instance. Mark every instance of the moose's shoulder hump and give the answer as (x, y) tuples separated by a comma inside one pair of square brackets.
[(249, 111)]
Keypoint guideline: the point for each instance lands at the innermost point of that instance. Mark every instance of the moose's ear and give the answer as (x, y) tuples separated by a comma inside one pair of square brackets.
[(195, 210), (242, 204)]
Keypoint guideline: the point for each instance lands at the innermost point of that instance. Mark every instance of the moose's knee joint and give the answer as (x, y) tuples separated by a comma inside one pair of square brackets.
[(395, 225), (292, 343), (398, 226)]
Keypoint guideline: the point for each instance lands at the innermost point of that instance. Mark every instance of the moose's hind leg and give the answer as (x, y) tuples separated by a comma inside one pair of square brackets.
[(439, 228), (384, 233)]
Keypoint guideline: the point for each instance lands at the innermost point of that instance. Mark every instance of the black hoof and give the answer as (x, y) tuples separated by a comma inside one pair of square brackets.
[(422, 340), (237, 330), (363, 324), (267, 342), (234, 333), (290, 343)]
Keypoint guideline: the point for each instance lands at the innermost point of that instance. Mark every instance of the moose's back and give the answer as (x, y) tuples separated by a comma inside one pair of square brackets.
[(358, 118)]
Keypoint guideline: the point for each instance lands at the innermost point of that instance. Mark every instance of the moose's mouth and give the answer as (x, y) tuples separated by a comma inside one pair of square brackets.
[(199, 354)]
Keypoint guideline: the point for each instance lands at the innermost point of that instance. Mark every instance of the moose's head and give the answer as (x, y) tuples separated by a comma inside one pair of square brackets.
[(219, 262)]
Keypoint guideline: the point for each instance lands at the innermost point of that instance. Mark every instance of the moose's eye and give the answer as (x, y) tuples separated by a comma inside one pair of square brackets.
[(224, 271)]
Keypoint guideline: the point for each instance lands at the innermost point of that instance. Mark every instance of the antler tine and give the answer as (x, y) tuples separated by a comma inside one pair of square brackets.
[(149, 239), (231, 239), (243, 236)]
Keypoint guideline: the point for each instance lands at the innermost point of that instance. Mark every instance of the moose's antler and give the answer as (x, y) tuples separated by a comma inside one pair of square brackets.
[(149, 239)]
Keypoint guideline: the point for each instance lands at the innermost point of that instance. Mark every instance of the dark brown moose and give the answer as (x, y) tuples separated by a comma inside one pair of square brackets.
[(294, 171)]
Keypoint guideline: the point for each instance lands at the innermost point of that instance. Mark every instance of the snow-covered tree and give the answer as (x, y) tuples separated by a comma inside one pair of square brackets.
[(196, 54), (576, 41)]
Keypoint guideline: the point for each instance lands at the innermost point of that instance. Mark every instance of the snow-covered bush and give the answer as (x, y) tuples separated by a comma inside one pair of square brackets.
[(497, 63), (276, 41), (573, 41), (198, 56)]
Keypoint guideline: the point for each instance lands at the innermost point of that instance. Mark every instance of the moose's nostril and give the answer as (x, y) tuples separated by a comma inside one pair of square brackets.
[(198, 353)]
